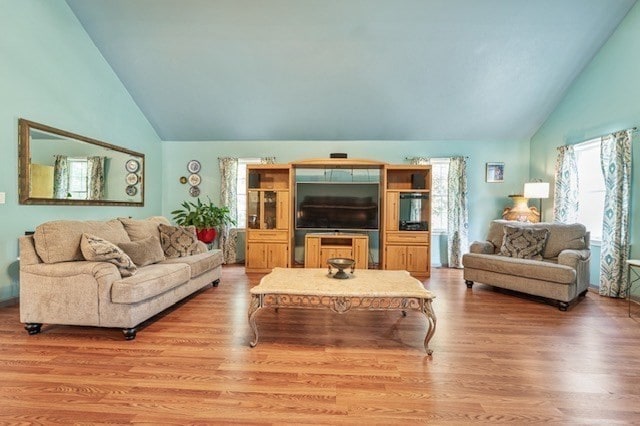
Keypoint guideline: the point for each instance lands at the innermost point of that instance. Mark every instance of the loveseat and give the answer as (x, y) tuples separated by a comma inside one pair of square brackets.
[(549, 260), (161, 266)]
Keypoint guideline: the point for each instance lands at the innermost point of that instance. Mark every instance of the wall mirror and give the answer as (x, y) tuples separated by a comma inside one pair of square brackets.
[(60, 167)]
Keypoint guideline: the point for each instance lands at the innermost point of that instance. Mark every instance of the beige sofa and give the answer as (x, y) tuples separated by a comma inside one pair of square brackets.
[(58, 286), (562, 272)]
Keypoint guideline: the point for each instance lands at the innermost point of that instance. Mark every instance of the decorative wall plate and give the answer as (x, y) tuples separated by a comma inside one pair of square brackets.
[(132, 179), (183, 179), (193, 166), (131, 190), (132, 165), (194, 191), (194, 179)]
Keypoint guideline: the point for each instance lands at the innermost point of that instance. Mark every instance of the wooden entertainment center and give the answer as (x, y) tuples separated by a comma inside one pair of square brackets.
[(396, 219)]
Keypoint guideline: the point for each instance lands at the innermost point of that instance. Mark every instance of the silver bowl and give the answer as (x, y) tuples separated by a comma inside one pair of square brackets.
[(341, 263)]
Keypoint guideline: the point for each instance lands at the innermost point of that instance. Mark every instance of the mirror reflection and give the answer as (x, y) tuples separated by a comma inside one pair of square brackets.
[(59, 167)]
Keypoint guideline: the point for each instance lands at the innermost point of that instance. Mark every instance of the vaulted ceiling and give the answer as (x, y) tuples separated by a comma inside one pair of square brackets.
[(348, 69)]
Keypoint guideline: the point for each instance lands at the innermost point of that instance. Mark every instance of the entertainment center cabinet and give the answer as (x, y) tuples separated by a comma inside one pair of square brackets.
[(339, 207)]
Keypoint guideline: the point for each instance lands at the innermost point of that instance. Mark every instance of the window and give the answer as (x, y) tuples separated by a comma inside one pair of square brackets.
[(241, 189), (439, 195), (78, 188), (590, 187)]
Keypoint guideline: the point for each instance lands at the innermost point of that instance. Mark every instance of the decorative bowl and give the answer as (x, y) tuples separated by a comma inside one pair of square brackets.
[(341, 263)]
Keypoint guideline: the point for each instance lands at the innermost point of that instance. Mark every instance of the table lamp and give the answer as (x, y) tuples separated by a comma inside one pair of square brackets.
[(537, 190)]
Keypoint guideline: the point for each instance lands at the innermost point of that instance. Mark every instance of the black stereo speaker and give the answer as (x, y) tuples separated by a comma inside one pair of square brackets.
[(417, 181), (338, 155), (254, 180)]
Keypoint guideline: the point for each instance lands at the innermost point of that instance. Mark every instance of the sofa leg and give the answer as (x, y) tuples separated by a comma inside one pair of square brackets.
[(468, 283), (33, 327), (563, 306), (129, 333), (216, 282)]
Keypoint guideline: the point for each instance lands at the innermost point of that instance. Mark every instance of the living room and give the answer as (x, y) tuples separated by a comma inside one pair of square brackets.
[(54, 74)]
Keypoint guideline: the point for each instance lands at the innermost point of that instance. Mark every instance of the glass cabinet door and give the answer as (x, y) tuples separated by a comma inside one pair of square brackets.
[(253, 210)]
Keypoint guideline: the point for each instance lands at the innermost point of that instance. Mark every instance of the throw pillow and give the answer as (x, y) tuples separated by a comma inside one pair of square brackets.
[(523, 242), (144, 252), (139, 229), (99, 250), (178, 241)]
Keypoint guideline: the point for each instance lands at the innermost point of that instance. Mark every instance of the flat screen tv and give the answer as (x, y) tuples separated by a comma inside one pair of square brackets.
[(337, 206)]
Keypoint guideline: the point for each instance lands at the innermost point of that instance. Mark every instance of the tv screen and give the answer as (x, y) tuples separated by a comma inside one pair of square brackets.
[(337, 206)]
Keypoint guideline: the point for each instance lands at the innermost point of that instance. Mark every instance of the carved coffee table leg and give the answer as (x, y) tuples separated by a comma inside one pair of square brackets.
[(254, 307), (427, 310)]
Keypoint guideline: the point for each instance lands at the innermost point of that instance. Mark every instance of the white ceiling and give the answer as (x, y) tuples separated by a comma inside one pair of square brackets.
[(348, 69)]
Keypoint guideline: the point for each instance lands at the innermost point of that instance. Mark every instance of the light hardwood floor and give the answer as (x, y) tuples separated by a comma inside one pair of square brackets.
[(498, 359)]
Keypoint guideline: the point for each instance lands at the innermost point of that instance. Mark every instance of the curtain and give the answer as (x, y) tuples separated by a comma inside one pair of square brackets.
[(418, 160), (268, 160), (457, 220), (565, 203), (60, 176), (228, 195), (615, 158), (95, 176)]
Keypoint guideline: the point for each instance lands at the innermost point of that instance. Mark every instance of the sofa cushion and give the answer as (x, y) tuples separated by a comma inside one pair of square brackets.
[(527, 268), (149, 282), (523, 242), (59, 241), (178, 241), (144, 252), (200, 263), (100, 250), (139, 229)]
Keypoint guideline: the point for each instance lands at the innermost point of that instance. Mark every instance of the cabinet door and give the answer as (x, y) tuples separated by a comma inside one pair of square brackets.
[(256, 256), (278, 256), (417, 258), (391, 211), (312, 252), (282, 210), (396, 257), (361, 253)]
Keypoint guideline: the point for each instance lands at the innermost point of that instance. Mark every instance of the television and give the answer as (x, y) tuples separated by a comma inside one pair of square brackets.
[(338, 206)]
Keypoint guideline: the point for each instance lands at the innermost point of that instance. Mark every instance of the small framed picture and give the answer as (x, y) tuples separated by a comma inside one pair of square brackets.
[(495, 172)]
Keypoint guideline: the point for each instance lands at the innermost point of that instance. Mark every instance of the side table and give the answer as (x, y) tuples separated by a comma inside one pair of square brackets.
[(633, 266)]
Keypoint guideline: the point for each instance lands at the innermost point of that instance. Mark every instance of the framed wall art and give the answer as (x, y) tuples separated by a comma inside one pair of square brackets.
[(495, 172)]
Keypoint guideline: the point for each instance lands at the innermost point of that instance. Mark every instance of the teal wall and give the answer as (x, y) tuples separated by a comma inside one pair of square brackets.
[(486, 200), (604, 98), (52, 73)]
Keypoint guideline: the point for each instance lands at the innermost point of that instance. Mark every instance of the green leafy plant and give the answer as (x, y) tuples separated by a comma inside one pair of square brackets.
[(202, 215)]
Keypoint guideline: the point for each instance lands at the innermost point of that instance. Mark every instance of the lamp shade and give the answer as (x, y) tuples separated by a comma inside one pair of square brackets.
[(536, 190)]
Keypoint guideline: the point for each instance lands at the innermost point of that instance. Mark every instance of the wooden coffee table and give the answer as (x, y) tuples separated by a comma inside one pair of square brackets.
[(368, 290)]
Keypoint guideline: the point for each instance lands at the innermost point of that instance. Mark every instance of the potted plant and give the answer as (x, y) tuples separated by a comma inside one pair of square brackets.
[(206, 217)]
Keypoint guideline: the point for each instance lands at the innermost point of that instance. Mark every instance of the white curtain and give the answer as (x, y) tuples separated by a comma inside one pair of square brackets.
[(615, 157), (228, 197)]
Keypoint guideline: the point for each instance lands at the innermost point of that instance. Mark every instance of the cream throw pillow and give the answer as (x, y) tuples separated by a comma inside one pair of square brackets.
[(99, 250), (523, 242), (144, 252), (178, 241)]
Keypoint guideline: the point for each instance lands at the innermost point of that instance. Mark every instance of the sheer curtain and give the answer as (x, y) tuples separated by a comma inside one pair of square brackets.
[(565, 202), (228, 193), (95, 174), (60, 176), (615, 157), (458, 218)]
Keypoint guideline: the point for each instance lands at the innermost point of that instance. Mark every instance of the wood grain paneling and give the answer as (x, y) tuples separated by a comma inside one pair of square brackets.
[(498, 357)]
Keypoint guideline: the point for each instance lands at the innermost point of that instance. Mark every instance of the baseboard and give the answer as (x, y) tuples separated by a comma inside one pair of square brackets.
[(9, 302)]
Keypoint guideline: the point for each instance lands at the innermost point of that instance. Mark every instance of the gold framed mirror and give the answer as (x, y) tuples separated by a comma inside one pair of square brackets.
[(60, 167)]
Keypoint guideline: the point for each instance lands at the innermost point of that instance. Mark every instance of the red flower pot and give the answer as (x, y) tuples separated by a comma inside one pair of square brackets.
[(206, 235)]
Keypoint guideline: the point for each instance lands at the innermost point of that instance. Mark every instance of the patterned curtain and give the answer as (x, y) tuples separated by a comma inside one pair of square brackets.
[(416, 161), (458, 218), (228, 195), (268, 160), (565, 203), (60, 176), (615, 157), (95, 175)]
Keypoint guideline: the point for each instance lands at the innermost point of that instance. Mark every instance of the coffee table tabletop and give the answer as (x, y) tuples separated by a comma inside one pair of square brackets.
[(367, 289)]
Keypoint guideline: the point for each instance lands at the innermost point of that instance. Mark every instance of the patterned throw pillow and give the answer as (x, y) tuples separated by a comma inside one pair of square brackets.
[(144, 252), (178, 241), (99, 250), (523, 242)]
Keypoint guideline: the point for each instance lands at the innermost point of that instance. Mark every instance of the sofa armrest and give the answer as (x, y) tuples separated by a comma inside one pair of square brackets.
[(482, 247), (71, 269), (571, 257)]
